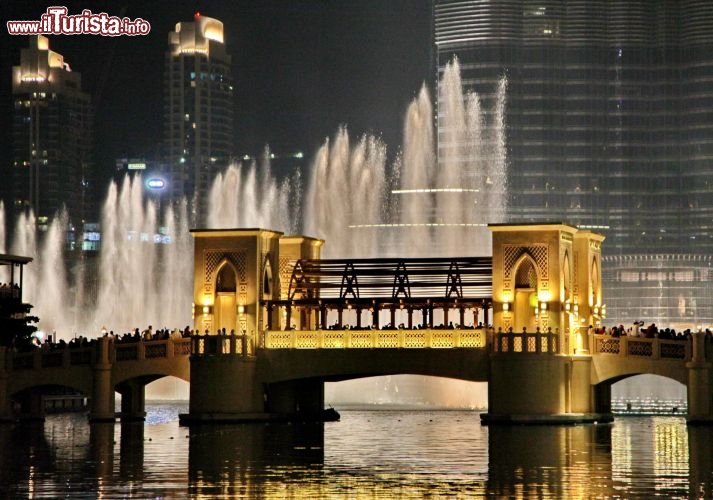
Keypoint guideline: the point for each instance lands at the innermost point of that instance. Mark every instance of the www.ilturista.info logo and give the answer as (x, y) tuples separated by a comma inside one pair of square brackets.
[(56, 22)]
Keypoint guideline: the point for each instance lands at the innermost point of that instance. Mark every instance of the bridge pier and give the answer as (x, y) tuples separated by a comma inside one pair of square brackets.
[(301, 398), (133, 400), (32, 406), (700, 382), (101, 448), (229, 387), (224, 388), (602, 397), (540, 388), (102, 402)]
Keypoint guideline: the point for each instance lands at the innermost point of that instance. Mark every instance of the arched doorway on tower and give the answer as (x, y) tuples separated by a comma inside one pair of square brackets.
[(226, 286), (526, 302)]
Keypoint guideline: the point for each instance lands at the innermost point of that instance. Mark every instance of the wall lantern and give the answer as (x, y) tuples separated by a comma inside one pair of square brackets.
[(506, 306), (241, 309)]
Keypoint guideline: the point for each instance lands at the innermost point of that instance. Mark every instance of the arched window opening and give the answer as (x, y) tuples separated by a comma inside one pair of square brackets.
[(226, 285), (526, 296), (226, 281), (526, 276), (595, 283), (566, 277), (267, 280)]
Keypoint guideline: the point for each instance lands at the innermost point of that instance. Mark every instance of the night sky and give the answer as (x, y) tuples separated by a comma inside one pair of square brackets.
[(301, 69)]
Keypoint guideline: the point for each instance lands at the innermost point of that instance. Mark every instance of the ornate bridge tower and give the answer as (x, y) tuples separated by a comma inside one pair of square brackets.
[(234, 270), (546, 294)]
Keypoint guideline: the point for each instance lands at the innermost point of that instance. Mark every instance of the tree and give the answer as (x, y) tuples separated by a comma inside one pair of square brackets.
[(16, 327)]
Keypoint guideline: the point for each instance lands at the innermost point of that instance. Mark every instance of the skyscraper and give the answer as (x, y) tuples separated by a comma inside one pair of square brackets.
[(52, 135), (609, 126), (198, 108)]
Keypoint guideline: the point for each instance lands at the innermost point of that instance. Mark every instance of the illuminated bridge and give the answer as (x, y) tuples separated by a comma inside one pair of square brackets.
[(293, 321)]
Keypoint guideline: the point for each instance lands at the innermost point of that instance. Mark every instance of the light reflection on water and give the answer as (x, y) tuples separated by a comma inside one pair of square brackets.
[(374, 454)]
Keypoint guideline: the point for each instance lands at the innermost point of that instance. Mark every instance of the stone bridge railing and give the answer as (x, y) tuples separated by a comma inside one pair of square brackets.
[(639, 347), (222, 344), (151, 349), (511, 342), (41, 358), (375, 339), (500, 342), (118, 352)]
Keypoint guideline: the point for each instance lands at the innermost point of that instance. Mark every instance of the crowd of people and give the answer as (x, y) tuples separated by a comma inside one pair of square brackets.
[(638, 329), (150, 334), (136, 335)]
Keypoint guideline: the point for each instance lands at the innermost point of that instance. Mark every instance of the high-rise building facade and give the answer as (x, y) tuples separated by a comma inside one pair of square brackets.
[(609, 126), (52, 136), (198, 108)]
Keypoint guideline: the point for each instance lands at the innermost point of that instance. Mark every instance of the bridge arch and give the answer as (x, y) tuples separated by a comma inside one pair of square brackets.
[(76, 378), (133, 393), (602, 391), (31, 399), (151, 376), (661, 369)]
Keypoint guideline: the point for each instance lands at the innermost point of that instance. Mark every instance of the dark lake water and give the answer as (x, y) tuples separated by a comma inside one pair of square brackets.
[(368, 454)]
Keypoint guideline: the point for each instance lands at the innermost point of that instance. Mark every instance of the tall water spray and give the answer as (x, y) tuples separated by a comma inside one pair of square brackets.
[(346, 195), (45, 282), (362, 206), (49, 285), (416, 171), (430, 208), (145, 268), (438, 207), (252, 197), (144, 273)]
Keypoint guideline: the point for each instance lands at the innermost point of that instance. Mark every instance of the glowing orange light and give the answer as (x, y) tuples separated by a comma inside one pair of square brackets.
[(197, 15)]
